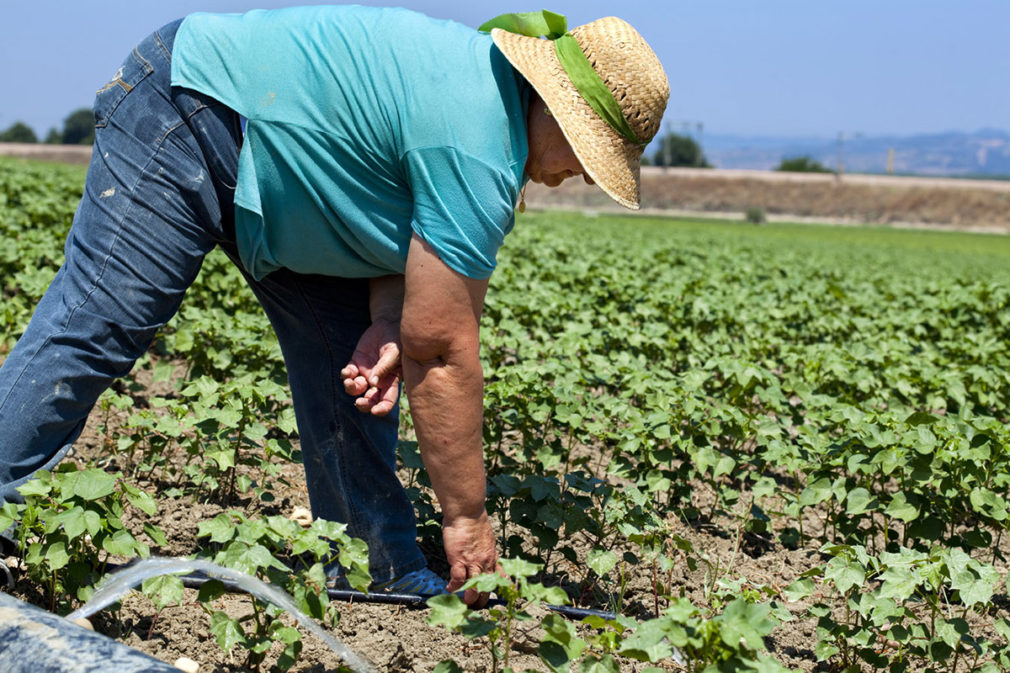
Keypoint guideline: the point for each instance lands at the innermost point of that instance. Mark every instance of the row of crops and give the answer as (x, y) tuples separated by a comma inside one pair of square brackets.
[(651, 385)]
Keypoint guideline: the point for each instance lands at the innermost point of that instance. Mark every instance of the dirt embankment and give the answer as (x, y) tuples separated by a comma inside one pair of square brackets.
[(64, 154), (982, 205), (977, 205)]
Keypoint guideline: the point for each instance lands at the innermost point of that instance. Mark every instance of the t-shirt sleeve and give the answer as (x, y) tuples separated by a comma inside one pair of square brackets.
[(463, 207)]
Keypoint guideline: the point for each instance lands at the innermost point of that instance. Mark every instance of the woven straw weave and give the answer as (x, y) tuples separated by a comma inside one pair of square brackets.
[(633, 73)]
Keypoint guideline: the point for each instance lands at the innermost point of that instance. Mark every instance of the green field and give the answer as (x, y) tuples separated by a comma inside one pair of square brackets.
[(770, 447)]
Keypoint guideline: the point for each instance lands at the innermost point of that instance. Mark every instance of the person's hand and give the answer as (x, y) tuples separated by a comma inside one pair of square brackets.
[(373, 374), (471, 551)]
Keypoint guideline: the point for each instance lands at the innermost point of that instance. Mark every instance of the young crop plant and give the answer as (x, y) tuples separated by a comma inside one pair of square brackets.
[(904, 611), (731, 640), (560, 646), (209, 440), (71, 526), (283, 553)]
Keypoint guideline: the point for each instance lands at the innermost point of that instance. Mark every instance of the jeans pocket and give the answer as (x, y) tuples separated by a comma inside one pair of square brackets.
[(133, 71)]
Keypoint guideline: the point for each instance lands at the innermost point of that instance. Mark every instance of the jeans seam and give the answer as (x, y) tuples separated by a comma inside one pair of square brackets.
[(148, 68), (163, 46)]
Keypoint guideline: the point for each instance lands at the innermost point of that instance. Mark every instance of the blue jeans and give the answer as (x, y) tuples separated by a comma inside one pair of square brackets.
[(158, 197)]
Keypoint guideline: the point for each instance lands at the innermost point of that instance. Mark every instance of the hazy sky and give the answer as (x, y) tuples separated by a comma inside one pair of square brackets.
[(774, 67)]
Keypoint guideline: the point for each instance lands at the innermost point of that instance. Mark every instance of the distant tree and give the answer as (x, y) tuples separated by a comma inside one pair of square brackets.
[(79, 127), (19, 132), (802, 165), (54, 137), (677, 150)]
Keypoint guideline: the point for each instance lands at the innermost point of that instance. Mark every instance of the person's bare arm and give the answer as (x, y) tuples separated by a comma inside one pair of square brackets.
[(445, 383)]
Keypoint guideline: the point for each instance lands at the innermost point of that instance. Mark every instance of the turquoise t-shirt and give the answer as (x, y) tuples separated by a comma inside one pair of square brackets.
[(365, 125)]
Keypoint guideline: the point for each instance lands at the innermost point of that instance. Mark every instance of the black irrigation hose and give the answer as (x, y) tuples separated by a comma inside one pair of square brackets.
[(196, 580), (413, 600), (6, 576)]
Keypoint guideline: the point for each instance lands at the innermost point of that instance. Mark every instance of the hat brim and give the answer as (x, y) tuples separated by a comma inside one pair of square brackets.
[(609, 160)]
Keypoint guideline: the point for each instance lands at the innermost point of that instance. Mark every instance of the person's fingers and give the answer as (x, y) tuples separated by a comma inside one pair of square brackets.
[(389, 361), (356, 386), (472, 597), (349, 371), (389, 397), (381, 408), (457, 577)]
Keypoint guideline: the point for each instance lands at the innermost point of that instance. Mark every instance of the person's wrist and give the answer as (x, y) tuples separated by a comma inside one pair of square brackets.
[(462, 518)]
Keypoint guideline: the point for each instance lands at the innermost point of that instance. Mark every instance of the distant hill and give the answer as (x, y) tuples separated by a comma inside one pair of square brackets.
[(982, 153)]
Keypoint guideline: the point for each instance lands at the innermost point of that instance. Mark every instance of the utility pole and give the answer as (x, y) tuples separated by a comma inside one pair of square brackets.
[(841, 156)]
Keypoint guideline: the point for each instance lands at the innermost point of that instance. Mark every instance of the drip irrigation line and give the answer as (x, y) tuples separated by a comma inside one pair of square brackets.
[(196, 580), (414, 600)]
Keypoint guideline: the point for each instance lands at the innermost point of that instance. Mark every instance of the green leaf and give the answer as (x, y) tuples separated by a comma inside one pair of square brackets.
[(120, 543), (921, 418), (221, 528), (517, 567), (163, 590), (747, 622), (648, 642), (57, 556), (284, 634), (92, 522), (447, 666), (555, 656), (601, 561), (1002, 627), (844, 573), (143, 501), (800, 589), (447, 610), (901, 509), (225, 458), (560, 645), (898, 582), (859, 501), (73, 522), (94, 484), (605, 665), (156, 535), (8, 515), (210, 591), (975, 582), (353, 558), (227, 631), (38, 486)]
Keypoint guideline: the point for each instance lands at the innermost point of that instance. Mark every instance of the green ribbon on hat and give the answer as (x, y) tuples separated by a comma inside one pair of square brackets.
[(576, 64)]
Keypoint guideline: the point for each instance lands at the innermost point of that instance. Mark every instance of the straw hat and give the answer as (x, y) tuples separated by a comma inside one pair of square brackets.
[(632, 72)]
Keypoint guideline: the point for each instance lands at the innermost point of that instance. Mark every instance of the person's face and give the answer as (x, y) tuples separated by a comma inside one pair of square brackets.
[(551, 159)]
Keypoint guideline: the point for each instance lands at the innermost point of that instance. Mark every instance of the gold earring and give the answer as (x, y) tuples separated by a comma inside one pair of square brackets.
[(547, 111)]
